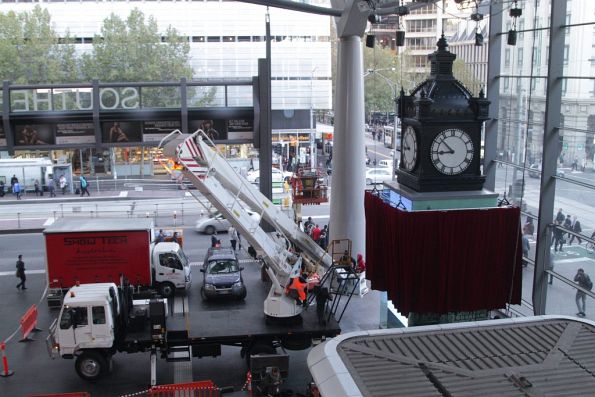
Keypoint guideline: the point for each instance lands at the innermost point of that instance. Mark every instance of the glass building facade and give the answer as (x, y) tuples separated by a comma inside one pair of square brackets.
[(541, 142)]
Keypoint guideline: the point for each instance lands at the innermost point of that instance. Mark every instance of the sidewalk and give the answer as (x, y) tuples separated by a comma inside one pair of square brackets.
[(37, 224)]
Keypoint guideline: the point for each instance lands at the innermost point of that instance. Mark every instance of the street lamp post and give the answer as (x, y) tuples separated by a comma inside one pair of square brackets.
[(393, 87)]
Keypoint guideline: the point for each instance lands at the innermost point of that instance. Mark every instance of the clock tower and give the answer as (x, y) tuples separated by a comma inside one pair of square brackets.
[(441, 124)]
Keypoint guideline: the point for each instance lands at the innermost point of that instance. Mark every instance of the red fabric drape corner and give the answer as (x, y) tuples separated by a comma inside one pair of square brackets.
[(444, 261)]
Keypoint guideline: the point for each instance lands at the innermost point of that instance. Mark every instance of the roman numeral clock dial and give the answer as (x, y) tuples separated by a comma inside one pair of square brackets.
[(452, 151)]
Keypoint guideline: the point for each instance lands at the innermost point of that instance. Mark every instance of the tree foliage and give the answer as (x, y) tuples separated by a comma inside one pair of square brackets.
[(384, 75), (134, 50), (462, 73), (31, 51)]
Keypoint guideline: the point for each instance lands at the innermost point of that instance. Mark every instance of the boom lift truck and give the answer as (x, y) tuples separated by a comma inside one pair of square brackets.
[(228, 192), (97, 321)]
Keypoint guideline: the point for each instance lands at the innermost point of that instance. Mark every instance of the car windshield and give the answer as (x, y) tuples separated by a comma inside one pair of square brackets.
[(222, 266)]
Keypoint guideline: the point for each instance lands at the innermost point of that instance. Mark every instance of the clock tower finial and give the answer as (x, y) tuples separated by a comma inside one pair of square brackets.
[(441, 61)]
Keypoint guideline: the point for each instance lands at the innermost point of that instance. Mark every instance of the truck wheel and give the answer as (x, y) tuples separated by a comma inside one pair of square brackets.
[(210, 230), (90, 365), (167, 289), (261, 347)]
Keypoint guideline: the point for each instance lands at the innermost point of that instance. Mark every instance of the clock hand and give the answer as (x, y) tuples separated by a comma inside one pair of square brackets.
[(445, 152), (448, 147)]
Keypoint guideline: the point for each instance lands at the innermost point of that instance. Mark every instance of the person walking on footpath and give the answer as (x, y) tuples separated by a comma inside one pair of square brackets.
[(560, 216), (558, 238), (584, 281), (52, 187), (13, 180), (16, 189), (568, 224), (214, 239), (84, 186), (21, 273), (233, 237), (62, 182), (36, 187), (1, 188), (576, 227), (322, 296)]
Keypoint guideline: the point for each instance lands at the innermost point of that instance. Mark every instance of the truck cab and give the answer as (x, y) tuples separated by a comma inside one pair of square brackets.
[(171, 268)]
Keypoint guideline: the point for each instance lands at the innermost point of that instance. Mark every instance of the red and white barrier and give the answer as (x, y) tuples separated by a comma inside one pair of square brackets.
[(29, 323)]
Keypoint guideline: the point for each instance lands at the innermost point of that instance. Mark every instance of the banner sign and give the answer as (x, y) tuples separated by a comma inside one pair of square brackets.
[(216, 130), (33, 134), (121, 131), (155, 131), (74, 133), (240, 129)]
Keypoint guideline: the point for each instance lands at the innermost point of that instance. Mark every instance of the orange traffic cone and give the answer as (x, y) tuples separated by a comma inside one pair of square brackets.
[(249, 382)]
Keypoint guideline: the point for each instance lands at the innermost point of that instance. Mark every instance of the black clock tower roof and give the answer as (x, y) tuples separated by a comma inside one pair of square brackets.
[(442, 95)]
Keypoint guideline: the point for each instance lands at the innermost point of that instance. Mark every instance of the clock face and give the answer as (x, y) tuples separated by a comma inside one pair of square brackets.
[(409, 149), (452, 151)]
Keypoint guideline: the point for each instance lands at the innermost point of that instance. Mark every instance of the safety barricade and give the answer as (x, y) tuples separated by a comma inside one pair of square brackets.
[(193, 389), (4, 372), (82, 394), (29, 323)]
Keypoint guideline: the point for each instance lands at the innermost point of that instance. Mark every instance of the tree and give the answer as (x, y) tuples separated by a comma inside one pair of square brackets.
[(382, 66), (462, 73), (134, 50), (31, 52)]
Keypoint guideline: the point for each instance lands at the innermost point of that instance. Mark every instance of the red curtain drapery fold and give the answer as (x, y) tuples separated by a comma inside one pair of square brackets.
[(444, 261)]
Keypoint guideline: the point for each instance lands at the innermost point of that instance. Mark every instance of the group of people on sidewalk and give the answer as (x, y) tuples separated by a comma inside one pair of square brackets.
[(16, 189)]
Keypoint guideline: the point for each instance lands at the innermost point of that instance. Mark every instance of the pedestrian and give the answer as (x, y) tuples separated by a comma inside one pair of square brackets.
[(322, 296), (36, 187), (323, 242), (1, 188), (16, 190), (160, 237), (576, 227), (52, 187), (558, 237), (583, 164), (568, 224), (584, 281), (84, 186), (21, 272), (214, 239), (529, 227), (526, 248), (316, 234), (560, 216), (63, 183), (175, 238), (233, 238), (308, 225), (575, 164), (13, 180), (361, 265), (252, 252), (218, 244)]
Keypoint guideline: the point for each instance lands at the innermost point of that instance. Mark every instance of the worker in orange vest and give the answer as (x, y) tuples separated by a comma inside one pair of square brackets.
[(296, 288)]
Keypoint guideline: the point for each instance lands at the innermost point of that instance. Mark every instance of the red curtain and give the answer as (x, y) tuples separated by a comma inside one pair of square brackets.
[(444, 261)]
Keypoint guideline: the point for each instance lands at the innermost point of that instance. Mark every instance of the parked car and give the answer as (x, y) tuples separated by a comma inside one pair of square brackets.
[(222, 275), (278, 175), (378, 175), (535, 171), (216, 222)]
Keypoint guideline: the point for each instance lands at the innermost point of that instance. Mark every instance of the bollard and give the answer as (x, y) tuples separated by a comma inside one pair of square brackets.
[(5, 371)]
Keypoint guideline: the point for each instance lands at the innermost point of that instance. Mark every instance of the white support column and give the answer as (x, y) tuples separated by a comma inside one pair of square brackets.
[(348, 181)]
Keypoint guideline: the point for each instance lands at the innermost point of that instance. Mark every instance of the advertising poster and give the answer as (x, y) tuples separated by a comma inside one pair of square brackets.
[(33, 134), (215, 129), (121, 131), (2, 136), (155, 131), (241, 129), (74, 133)]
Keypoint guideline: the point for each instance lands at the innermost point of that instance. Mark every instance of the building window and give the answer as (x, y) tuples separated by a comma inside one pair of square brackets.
[(564, 86), (533, 84), (506, 84), (519, 60), (507, 57), (214, 39), (566, 53), (521, 28)]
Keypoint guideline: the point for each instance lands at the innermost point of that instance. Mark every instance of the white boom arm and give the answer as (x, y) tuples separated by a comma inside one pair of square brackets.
[(281, 264)]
